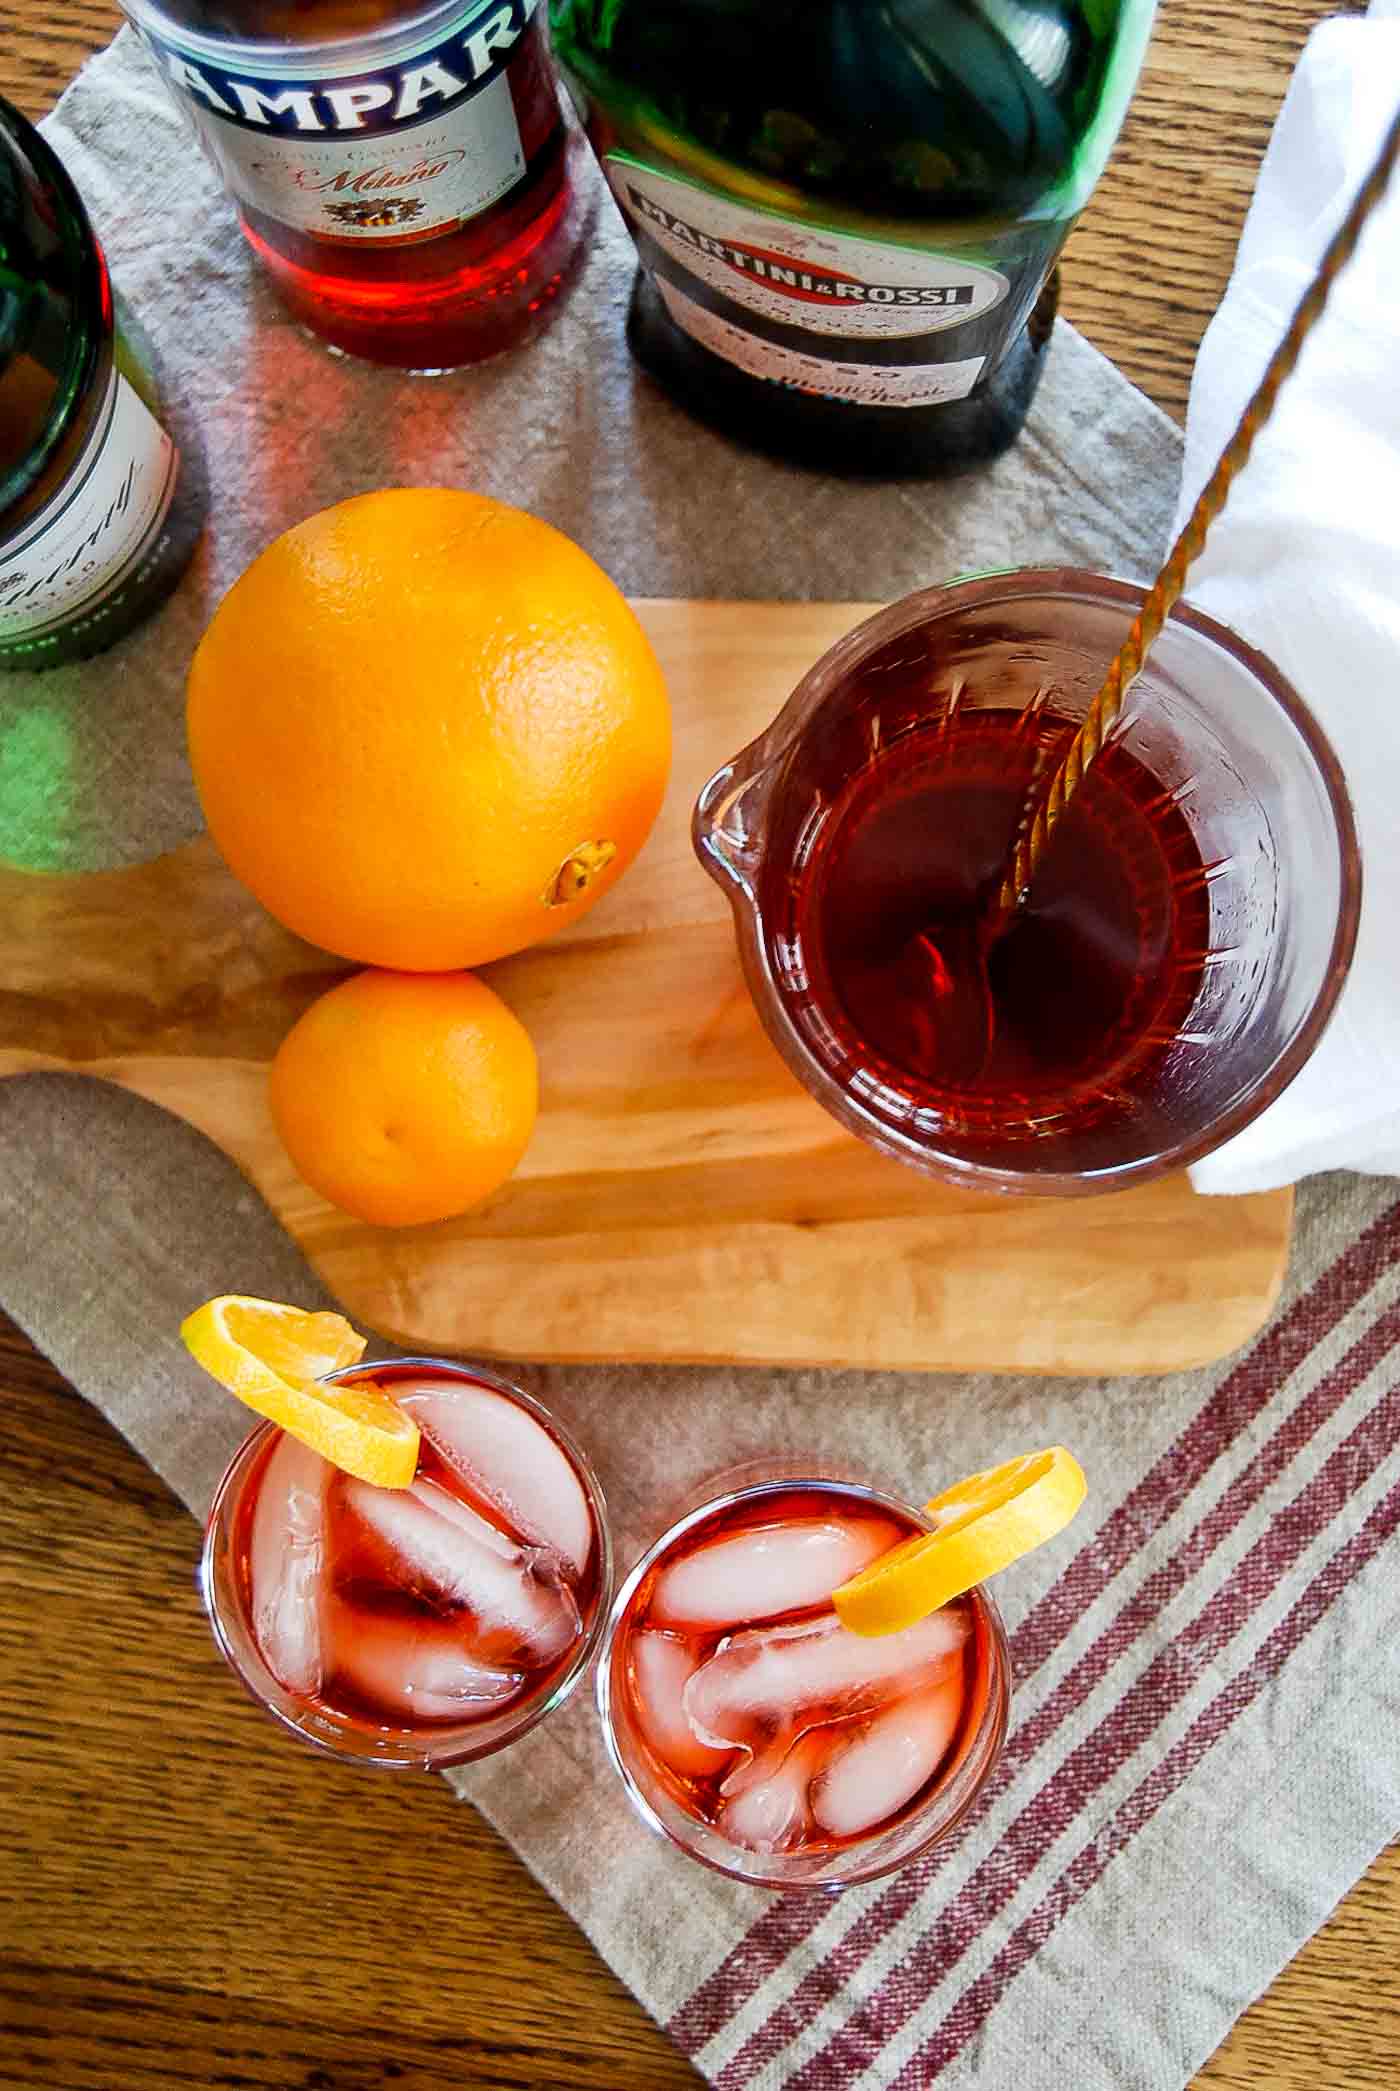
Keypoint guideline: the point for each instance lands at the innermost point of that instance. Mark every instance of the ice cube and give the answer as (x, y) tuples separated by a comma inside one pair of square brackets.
[(774, 1813), (286, 1554), (522, 1610), (767, 1570), (508, 1458), (769, 1682), (661, 1668), (766, 1759), (887, 1760), (417, 1669), (468, 1520)]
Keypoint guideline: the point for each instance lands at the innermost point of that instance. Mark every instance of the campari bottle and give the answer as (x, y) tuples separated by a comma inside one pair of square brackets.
[(408, 174), (848, 212)]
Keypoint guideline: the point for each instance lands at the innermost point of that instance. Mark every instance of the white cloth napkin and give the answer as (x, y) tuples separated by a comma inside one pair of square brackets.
[(1305, 560)]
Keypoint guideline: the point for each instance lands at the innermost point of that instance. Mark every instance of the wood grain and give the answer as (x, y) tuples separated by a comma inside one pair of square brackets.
[(187, 1902), (679, 1180)]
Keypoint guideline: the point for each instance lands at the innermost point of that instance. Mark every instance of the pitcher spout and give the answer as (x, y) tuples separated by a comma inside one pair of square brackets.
[(727, 824)]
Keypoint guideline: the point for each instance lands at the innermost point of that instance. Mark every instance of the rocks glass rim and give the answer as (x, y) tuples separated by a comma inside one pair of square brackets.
[(441, 1744), (944, 1808)]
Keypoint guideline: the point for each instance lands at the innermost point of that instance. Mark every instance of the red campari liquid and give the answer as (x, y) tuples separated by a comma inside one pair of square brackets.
[(473, 294), (757, 1713), (1089, 985), (460, 1599), (422, 237)]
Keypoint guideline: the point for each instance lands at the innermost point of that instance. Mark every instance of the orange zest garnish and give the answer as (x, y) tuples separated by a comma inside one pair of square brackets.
[(981, 1526), (273, 1358)]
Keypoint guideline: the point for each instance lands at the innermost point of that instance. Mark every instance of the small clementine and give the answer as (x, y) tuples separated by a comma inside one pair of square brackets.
[(426, 729), (405, 1097)]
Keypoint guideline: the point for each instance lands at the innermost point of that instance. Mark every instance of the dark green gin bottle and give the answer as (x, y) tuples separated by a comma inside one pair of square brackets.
[(847, 212), (97, 520)]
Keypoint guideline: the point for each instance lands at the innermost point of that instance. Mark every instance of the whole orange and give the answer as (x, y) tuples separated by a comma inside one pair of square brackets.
[(405, 1097), (426, 729)]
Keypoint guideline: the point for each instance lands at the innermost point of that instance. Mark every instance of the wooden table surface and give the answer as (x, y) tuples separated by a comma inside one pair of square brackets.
[(186, 1900)]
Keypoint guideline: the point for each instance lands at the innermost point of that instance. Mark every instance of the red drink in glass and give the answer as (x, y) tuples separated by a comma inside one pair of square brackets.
[(751, 1727), (426, 1625)]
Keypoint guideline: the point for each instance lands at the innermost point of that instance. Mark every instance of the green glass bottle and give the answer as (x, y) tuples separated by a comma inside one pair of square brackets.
[(92, 534), (847, 212)]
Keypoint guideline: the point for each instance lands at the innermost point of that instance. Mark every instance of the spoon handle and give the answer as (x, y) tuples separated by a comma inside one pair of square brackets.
[(1039, 824)]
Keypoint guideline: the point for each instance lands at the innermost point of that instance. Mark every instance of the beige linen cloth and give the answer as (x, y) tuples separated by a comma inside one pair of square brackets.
[(1206, 1742)]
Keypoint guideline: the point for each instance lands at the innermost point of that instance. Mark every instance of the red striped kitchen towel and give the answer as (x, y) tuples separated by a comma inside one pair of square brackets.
[(1205, 1750)]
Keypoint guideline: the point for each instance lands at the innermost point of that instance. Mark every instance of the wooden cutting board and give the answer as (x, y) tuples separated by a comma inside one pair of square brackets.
[(682, 1199)]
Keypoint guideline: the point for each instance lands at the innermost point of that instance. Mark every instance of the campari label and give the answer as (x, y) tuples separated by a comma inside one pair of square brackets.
[(403, 152), (803, 304)]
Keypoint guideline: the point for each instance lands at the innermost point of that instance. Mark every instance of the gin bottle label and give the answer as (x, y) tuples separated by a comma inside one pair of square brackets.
[(402, 152), (91, 543)]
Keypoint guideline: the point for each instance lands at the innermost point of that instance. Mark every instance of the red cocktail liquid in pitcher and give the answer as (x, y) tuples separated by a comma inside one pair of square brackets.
[(761, 1714), (1094, 976)]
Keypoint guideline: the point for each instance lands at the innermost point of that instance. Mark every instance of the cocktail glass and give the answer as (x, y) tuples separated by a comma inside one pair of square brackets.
[(1266, 857), (421, 1627), (756, 1732)]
